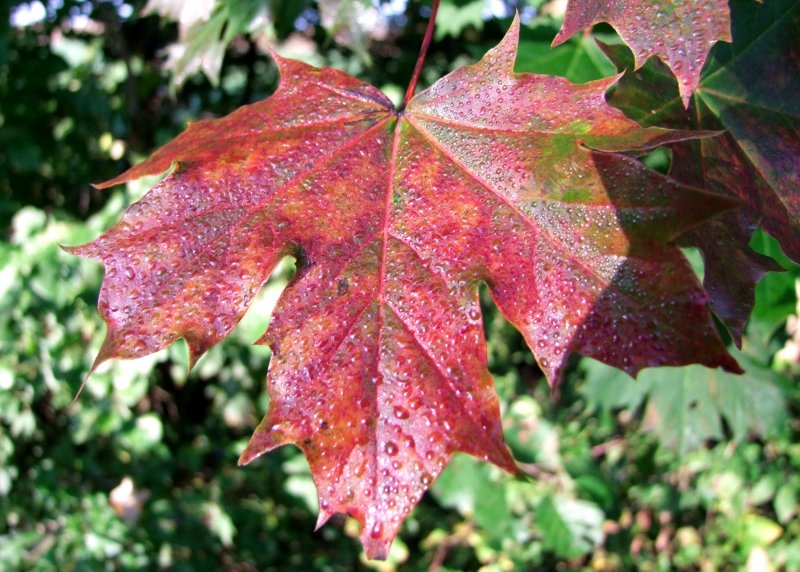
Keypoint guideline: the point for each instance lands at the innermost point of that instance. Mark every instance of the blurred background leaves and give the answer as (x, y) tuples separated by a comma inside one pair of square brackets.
[(685, 468)]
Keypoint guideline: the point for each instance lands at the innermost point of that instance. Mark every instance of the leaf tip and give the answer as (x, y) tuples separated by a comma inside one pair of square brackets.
[(71, 249), (322, 517), (248, 455), (512, 35), (729, 364), (504, 54), (560, 38), (83, 385), (606, 83), (103, 355), (195, 353), (566, 31), (707, 206), (266, 437), (503, 457), (119, 179), (687, 83), (283, 64), (254, 449), (86, 250)]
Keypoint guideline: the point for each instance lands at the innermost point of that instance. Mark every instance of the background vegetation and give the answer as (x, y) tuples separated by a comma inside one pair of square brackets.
[(687, 468)]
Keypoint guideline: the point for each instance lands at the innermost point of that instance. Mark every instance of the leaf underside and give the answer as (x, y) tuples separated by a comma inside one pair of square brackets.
[(379, 366), (679, 32), (751, 90)]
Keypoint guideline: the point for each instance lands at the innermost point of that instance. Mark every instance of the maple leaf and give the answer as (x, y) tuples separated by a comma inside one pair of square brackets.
[(379, 366), (679, 32), (750, 90)]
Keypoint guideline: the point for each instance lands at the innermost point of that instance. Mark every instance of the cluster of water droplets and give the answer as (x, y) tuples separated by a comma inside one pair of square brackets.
[(680, 33)]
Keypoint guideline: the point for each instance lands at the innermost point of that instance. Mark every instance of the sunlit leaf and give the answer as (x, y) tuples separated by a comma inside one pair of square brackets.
[(395, 216)]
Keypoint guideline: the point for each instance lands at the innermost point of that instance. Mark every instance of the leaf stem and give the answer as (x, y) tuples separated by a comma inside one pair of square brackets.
[(423, 51)]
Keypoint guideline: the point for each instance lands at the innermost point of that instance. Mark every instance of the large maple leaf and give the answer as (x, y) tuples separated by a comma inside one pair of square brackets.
[(679, 32), (751, 91), (379, 365)]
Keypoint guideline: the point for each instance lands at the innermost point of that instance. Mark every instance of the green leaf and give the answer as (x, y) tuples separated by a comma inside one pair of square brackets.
[(785, 502), (685, 406), (220, 523), (761, 531), (467, 486), (608, 388), (353, 23), (570, 527), (579, 59), (775, 293)]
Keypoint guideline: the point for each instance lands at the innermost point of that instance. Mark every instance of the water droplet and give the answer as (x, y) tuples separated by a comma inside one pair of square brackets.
[(377, 530), (391, 449)]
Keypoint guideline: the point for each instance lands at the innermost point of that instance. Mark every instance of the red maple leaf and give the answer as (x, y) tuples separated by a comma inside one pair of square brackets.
[(679, 32), (395, 216)]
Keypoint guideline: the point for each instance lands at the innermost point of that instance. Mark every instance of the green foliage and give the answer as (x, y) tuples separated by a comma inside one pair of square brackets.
[(456, 16), (579, 59), (732, 494), (205, 30)]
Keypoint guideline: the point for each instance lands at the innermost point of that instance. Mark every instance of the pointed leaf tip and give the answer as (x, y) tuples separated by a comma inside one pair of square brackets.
[(283, 64), (322, 517), (260, 442), (503, 56)]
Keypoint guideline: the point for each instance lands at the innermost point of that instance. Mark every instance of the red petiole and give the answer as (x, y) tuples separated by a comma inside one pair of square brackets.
[(423, 51)]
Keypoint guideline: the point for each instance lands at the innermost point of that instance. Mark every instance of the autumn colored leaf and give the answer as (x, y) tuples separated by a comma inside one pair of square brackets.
[(750, 90), (679, 32), (379, 367)]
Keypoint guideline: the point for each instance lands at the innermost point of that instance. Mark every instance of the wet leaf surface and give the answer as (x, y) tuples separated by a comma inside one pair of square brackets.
[(379, 360), (679, 32)]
